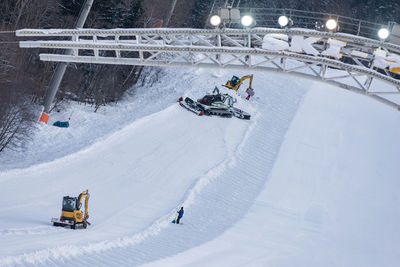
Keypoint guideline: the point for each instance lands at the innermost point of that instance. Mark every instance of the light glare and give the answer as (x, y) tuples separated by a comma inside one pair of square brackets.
[(383, 33), (215, 20), (247, 20), (283, 21), (331, 24)]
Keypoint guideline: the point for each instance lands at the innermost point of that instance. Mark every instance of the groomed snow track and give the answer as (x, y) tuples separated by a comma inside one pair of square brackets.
[(220, 198), (216, 201), (318, 190)]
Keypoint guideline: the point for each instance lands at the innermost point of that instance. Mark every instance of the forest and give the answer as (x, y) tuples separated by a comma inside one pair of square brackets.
[(24, 78)]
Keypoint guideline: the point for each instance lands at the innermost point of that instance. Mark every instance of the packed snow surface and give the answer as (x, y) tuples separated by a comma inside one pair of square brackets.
[(310, 180)]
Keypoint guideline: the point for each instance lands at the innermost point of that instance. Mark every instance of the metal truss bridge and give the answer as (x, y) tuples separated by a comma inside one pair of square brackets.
[(365, 66)]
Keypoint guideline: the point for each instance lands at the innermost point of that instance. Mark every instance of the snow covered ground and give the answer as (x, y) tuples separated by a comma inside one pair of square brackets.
[(332, 197), (310, 180)]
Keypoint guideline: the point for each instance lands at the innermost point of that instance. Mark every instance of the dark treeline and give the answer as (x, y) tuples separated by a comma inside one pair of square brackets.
[(24, 78)]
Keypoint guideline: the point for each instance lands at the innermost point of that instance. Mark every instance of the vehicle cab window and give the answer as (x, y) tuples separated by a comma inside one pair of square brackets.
[(69, 204)]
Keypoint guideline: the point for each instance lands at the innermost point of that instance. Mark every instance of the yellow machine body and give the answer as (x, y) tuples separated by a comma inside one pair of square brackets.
[(395, 70), (71, 214), (76, 214)]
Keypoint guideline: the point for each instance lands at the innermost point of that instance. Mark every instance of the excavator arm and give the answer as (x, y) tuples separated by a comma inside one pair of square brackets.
[(236, 86), (244, 78), (251, 79), (84, 194)]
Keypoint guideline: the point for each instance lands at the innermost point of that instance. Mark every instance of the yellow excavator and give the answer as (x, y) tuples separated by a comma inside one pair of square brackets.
[(235, 83), (71, 214)]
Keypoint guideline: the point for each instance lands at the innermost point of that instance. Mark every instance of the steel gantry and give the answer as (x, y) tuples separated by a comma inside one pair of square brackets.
[(365, 66)]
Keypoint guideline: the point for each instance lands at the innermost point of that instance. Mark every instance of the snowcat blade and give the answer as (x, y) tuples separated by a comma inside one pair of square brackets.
[(58, 222)]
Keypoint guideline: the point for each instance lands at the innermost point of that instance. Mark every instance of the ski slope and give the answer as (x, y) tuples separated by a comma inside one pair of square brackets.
[(310, 180)]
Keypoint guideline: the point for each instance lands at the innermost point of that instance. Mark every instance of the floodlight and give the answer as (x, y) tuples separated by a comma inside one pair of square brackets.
[(331, 24), (215, 20), (383, 33), (283, 21), (247, 20)]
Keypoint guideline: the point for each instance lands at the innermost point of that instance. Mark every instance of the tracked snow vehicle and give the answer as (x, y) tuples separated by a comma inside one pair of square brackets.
[(214, 104)]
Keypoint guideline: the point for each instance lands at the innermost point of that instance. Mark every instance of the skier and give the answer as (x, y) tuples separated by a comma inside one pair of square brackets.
[(180, 214)]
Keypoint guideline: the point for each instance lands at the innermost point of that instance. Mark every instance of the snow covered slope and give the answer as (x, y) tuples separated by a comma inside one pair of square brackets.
[(326, 197), (332, 197)]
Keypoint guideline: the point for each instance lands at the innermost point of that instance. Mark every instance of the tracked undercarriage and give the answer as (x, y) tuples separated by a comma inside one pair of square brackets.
[(215, 104)]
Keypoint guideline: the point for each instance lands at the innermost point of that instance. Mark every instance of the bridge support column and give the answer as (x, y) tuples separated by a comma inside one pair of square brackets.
[(61, 67)]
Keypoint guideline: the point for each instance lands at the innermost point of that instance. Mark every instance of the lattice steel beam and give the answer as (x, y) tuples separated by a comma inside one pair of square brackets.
[(231, 48)]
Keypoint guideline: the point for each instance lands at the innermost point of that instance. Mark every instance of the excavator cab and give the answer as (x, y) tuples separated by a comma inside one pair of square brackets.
[(234, 81), (69, 204), (71, 214)]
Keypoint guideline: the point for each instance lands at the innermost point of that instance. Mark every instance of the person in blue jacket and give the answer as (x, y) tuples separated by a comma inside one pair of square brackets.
[(180, 214)]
